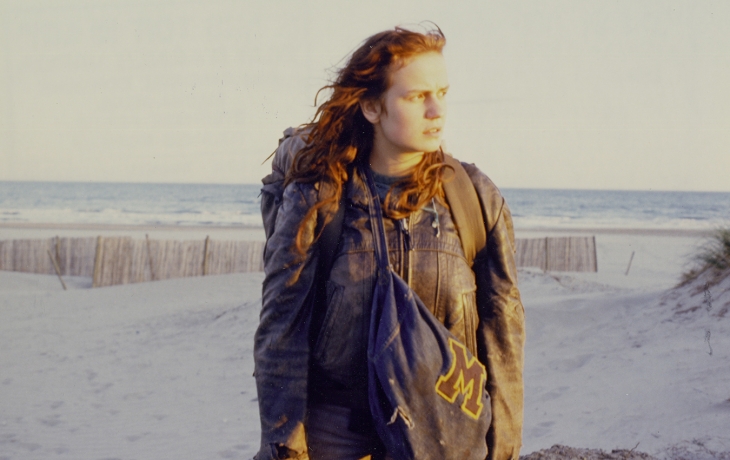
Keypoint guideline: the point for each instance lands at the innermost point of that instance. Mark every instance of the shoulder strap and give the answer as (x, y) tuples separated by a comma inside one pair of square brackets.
[(465, 209)]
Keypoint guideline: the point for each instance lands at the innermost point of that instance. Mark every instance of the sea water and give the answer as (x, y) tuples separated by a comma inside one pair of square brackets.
[(237, 205)]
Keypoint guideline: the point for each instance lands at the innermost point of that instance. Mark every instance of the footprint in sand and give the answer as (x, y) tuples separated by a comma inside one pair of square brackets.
[(570, 364), (554, 394), (102, 388), (231, 453), (53, 420), (137, 437), (541, 429)]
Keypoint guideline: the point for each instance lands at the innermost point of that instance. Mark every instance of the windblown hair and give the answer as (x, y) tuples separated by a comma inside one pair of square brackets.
[(340, 134)]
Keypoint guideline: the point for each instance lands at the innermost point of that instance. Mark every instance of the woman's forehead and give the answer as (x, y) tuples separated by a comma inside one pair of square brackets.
[(426, 71)]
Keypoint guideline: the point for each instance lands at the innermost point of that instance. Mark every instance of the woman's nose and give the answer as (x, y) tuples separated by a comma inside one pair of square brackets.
[(436, 108)]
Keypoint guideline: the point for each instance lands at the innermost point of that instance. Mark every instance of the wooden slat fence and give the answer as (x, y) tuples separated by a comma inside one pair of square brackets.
[(121, 260), (568, 254), (75, 256)]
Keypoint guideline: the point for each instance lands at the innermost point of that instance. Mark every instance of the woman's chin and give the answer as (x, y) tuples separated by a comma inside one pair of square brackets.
[(433, 145), (429, 144)]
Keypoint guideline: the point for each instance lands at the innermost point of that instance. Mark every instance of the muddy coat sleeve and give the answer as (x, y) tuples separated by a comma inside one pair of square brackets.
[(281, 346), (501, 330)]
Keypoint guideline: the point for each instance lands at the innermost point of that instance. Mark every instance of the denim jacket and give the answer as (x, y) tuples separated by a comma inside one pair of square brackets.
[(480, 305)]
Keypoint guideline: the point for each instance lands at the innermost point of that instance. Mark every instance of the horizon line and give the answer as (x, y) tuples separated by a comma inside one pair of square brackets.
[(258, 184)]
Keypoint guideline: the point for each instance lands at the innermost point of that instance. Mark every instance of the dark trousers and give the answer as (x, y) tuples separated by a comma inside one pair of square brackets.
[(330, 436)]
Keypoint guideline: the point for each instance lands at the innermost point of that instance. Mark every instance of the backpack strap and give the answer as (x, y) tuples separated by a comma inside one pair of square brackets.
[(465, 209)]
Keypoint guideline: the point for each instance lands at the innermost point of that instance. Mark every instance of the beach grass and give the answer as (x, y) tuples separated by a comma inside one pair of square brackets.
[(712, 258)]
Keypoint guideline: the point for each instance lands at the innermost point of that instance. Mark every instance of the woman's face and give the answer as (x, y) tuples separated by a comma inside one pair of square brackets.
[(411, 114)]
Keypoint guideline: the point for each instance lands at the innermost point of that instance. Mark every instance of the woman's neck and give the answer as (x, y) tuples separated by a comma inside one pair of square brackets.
[(394, 164)]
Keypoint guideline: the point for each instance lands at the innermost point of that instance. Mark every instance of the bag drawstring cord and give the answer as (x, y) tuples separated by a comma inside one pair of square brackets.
[(435, 223)]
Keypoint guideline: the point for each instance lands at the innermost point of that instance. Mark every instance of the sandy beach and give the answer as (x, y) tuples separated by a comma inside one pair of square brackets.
[(163, 370)]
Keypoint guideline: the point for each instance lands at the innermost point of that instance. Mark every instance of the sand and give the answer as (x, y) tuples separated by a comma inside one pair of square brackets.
[(163, 370), (147, 371)]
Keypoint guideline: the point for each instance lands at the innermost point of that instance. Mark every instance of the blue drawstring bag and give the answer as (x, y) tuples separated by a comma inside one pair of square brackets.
[(427, 392)]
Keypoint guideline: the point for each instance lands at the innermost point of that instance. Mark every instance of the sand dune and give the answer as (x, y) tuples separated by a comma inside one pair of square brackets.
[(613, 368)]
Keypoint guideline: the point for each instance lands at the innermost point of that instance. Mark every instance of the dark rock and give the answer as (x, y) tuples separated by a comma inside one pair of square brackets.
[(558, 452)]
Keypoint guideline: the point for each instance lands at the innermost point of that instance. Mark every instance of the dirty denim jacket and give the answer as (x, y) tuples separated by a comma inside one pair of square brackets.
[(480, 305)]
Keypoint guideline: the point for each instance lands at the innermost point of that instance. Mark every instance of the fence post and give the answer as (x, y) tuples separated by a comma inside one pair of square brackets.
[(58, 254), (630, 259), (205, 255), (96, 277), (149, 257), (58, 270)]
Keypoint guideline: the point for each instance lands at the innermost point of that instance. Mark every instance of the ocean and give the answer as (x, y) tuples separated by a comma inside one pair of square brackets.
[(237, 205)]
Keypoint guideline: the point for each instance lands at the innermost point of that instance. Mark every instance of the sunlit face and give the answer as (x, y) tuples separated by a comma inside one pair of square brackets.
[(411, 114)]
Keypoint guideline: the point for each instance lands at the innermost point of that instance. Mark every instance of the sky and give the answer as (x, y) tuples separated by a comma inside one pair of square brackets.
[(544, 94)]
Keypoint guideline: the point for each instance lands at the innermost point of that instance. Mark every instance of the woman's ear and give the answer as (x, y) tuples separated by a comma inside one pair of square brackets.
[(371, 110)]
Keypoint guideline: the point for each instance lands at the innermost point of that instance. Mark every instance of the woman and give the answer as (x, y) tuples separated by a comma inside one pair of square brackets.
[(386, 112)]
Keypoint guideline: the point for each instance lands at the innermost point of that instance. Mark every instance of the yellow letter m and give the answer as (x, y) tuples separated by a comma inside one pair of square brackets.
[(465, 377)]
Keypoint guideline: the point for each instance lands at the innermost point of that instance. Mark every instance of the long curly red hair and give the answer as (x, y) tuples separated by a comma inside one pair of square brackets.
[(339, 132)]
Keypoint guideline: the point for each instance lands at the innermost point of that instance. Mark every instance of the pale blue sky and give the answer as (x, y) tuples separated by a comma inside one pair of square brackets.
[(545, 94)]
